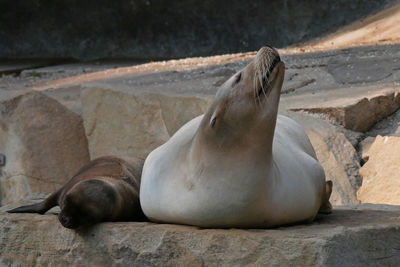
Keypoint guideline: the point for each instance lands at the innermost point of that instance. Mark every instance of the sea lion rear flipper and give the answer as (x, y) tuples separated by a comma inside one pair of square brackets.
[(326, 207), (40, 207)]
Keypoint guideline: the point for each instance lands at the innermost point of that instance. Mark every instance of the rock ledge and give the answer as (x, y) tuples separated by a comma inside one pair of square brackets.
[(357, 235)]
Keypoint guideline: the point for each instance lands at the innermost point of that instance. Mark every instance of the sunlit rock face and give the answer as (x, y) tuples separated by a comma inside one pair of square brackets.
[(133, 124), (44, 144)]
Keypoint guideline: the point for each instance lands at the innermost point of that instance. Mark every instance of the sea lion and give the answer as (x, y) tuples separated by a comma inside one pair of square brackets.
[(106, 189), (239, 164)]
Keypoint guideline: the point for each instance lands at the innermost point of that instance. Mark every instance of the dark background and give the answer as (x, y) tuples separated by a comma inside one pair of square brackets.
[(156, 29)]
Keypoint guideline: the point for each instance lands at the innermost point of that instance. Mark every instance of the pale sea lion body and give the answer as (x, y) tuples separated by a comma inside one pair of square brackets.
[(239, 165), (106, 189)]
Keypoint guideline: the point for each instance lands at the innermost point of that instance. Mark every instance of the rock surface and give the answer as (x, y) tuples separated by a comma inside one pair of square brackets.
[(126, 123), (381, 173), (44, 144), (387, 126), (352, 236), (363, 113)]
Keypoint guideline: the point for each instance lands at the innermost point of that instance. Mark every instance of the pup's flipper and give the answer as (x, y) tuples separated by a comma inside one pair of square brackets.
[(40, 207)]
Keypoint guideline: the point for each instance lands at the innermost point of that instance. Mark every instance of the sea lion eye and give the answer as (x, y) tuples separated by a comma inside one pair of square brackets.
[(212, 121), (238, 78)]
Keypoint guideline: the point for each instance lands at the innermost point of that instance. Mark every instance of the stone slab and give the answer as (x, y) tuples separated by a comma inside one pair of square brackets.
[(350, 236), (356, 111)]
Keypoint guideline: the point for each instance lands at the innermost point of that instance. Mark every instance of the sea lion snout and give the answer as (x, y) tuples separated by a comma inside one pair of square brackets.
[(267, 69), (266, 60)]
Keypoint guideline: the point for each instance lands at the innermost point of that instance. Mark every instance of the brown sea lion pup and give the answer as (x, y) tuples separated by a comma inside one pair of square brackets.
[(106, 189)]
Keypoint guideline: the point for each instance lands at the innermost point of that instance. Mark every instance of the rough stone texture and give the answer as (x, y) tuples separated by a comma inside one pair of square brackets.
[(337, 156), (158, 29), (352, 236), (363, 114), (44, 144), (334, 84), (381, 173), (364, 146), (387, 126), (390, 126), (133, 124)]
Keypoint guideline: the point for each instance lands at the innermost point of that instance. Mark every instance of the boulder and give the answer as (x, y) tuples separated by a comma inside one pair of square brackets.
[(43, 142), (350, 236), (381, 173), (129, 123), (336, 155)]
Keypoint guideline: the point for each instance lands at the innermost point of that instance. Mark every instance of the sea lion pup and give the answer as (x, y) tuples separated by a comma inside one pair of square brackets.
[(106, 189), (239, 164)]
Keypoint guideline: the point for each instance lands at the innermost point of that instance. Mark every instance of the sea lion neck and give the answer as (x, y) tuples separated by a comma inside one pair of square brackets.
[(255, 144)]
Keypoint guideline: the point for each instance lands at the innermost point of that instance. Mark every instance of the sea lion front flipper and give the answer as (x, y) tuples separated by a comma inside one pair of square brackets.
[(326, 207), (41, 207)]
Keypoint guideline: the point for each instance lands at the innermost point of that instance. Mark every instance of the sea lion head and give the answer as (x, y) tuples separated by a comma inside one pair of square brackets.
[(86, 203), (246, 105)]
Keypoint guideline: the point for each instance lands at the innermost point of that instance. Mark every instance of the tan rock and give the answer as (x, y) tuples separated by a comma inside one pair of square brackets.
[(337, 156), (381, 173), (356, 113), (133, 123), (44, 144), (351, 236)]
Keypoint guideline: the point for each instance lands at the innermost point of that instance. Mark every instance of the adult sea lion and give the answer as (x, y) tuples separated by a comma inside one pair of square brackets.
[(106, 189), (239, 164)]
